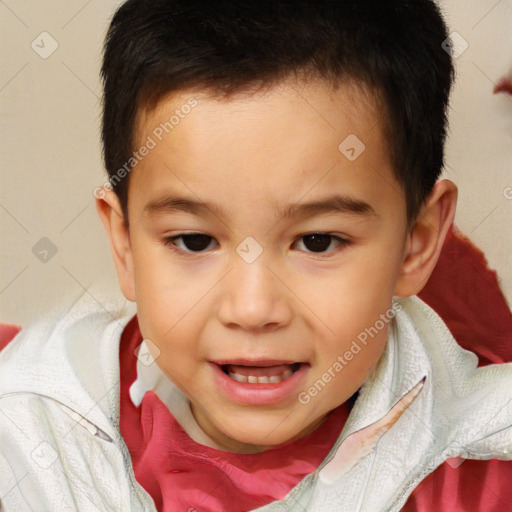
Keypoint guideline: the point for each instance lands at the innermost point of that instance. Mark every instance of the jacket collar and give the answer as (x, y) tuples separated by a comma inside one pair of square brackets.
[(72, 357), (425, 402)]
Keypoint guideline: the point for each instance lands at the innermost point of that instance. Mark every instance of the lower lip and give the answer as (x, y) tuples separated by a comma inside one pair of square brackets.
[(259, 394)]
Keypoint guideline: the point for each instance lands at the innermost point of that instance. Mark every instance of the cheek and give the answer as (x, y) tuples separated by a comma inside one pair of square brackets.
[(358, 314), (161, 298), (169, 307), (354, 299)]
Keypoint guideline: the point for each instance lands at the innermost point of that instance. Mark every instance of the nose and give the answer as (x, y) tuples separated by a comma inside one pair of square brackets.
[(254, 297)]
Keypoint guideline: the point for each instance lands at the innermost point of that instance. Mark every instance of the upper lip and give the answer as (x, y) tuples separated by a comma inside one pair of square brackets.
[(254, 362)]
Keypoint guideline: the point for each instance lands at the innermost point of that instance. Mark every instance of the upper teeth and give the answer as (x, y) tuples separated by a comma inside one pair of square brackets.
[(252, 379)]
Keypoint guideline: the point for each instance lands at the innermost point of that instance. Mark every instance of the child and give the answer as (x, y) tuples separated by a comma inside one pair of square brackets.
[(272, 372)]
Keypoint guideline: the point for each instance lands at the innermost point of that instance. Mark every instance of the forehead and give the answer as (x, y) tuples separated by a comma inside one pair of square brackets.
[(270, 145), (352, 100)]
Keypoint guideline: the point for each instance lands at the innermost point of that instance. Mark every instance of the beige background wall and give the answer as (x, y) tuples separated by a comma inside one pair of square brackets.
[(51, 162)]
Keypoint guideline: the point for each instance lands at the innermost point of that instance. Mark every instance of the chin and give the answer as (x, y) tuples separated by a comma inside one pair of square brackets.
[(262, 437)]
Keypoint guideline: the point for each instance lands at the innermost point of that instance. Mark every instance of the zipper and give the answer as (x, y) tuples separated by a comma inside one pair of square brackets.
[(81, 420), (144, 498), (84, 422)]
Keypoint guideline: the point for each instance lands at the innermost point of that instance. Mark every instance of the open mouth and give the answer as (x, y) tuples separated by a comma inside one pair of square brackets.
[(260, 374), (259, 382)]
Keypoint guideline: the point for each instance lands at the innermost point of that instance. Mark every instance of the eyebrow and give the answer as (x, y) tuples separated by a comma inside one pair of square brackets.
[(333, 204)]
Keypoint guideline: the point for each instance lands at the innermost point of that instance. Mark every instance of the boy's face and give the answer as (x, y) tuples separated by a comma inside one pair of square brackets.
[(255, 286)]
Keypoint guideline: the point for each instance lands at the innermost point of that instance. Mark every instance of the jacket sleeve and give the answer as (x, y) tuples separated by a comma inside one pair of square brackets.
[(49, 462)]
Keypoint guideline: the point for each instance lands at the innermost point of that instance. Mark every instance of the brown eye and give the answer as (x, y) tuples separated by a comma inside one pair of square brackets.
[(195, 242), (320, 242)]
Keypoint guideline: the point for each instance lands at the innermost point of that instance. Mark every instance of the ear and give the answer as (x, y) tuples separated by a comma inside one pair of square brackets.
[(426, 238), (110, 212)]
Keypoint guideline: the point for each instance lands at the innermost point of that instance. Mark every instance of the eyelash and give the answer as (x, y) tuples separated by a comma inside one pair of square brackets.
[(169, 242)]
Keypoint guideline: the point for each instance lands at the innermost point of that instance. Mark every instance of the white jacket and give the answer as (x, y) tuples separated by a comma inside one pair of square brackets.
[(61, 448)]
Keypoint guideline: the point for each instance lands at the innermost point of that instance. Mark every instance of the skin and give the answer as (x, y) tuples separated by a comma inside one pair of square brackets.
[(252, 155)]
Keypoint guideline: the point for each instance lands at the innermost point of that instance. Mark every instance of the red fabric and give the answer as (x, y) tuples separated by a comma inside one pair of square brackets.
[(181, 474), (465, 293), (7, 333), (467, 296), (462, 290)]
